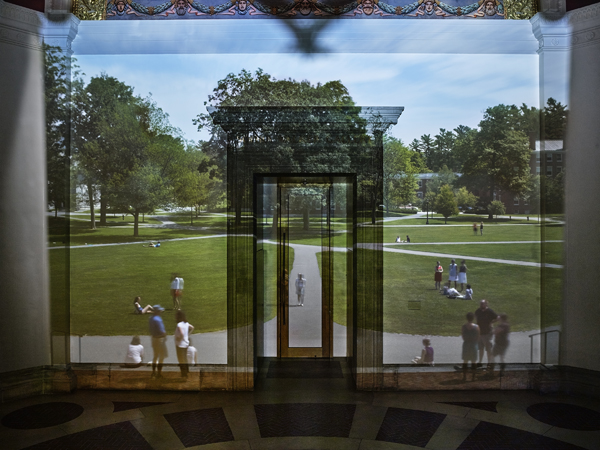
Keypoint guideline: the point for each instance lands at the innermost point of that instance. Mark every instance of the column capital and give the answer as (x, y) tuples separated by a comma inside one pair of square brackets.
[(585, 23), (552, 32)]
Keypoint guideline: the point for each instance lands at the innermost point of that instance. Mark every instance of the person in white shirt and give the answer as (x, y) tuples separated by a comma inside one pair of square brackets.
[(135, 354), (300, 287), (468, 293), (182, 341), (176, 290), (192, 354)]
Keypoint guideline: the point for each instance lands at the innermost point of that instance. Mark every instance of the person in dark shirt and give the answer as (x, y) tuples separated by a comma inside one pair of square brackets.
[(485, 318)]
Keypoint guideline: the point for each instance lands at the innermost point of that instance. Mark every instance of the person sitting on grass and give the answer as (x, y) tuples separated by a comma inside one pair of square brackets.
[(138, 308), (135, 354), (469, 293), (426, 354), (398, 240)]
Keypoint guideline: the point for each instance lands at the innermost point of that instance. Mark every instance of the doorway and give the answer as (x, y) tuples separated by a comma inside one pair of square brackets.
[(303, 262)]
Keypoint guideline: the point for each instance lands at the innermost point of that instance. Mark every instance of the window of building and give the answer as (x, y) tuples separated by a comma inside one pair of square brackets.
[(516, 201), (420, 183), (558, 170), (549, 170), (538, 156), (420, 194), (559, 157), (549, 157), (537, 170)]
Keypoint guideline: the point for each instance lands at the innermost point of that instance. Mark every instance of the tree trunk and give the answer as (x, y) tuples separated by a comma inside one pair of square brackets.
[(103, 208), (90, 189), (136, 220), (274, 226), (305, 217)]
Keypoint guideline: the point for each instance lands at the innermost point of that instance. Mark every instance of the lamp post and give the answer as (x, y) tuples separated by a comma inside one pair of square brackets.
[(427, 205)]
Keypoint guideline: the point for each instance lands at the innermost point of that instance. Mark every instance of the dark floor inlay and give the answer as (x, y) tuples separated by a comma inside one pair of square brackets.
[(409, 426), (484, 406), (117, 436), (305, 419), (564, 415), (305, 369), (200, 427), (124, 406), (489, 436), (42, 415)]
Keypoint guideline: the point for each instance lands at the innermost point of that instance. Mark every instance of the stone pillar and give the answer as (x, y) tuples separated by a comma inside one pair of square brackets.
[(552, 31), (25, 317), (580, 340)]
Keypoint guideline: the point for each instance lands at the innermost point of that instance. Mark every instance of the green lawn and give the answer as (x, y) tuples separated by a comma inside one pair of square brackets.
[(516, 252), (460, 234), (466, 219), (105, 280)]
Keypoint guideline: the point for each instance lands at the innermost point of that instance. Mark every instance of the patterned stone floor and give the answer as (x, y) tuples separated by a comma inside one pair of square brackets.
[(301, 413)]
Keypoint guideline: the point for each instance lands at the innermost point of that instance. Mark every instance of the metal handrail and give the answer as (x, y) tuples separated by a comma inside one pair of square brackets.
[(545, 346)]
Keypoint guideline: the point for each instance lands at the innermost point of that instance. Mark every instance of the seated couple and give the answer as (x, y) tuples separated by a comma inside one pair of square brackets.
[(453, 293)]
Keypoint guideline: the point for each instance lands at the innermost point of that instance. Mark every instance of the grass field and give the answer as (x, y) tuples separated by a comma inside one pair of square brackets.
[(516, 252), (104, 280)]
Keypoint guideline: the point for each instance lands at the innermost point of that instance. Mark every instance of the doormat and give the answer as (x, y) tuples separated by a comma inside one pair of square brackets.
[(305, 369)]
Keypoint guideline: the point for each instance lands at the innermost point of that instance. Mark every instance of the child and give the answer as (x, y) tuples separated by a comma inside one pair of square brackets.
[(192, 354), (469, 293), (426, 354)]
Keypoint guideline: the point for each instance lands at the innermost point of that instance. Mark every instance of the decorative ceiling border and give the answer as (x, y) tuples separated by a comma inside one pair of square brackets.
[(301, 9)]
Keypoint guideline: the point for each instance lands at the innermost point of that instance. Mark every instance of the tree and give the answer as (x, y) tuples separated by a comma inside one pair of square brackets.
[(399, 180), (57, 89), (554, 119), (500, 155), (465, 199), (445, 203), (283, 135), (141, 190), (496, 207), (442, 154), (444, 177)]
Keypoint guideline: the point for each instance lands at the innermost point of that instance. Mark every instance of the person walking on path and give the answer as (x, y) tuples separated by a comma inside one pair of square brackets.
[(470, 336), (475, 228), (159, 340), (300, 287), (176, 290), (485, 318), (481, 228), (462, 275), (453, 273), (438, 275), (501, 342), (182, 341)]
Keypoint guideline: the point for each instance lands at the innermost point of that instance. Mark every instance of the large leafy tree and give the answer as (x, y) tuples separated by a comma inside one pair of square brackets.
[(445, 202), (499, 158), (59, 71), (399, 180), (283, 137)]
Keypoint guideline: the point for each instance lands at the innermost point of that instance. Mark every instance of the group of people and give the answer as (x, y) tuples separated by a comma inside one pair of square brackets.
[(475, 228), (477, 338), (481, 337), (186, 352), (399, 239), (456, 274)]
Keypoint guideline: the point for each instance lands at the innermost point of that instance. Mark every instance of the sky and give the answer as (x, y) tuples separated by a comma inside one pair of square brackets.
[(436, 90)]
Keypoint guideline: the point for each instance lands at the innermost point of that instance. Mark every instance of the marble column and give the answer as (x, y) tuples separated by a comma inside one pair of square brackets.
[(25, 318), (580, 340)]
